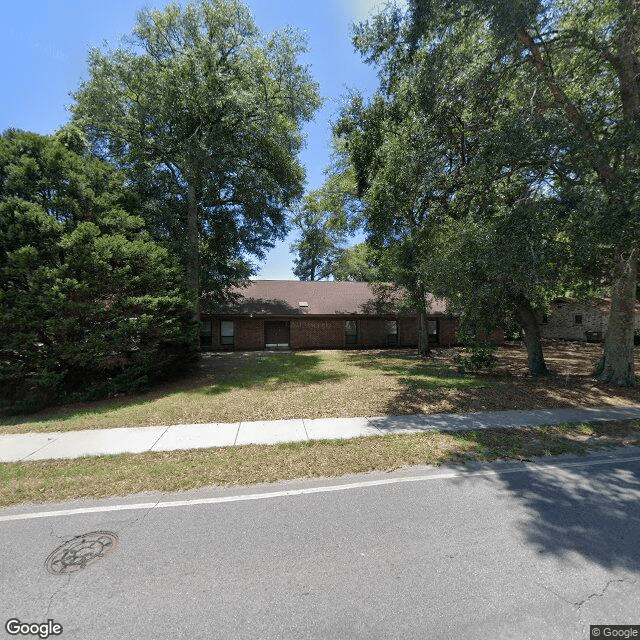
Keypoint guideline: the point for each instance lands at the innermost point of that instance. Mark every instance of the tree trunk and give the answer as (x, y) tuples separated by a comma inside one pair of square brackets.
[(616, 365), (531, 335), (193, 251), (423, 337)]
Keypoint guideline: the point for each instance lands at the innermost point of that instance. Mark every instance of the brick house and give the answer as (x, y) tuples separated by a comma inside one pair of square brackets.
[(292, 314), (581, 321)]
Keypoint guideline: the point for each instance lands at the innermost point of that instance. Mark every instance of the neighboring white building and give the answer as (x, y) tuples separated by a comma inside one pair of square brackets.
[(586, 321)]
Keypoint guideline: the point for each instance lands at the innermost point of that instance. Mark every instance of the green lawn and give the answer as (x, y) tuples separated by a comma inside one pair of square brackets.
[(232, 387), (261, 386)]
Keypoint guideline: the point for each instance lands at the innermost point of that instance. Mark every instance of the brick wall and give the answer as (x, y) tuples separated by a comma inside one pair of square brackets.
[(408, 332), (562, 321), (408, 329), (249, 334), (448, 329), (372, 332), (329, 333), (311, 333), (497, 336)]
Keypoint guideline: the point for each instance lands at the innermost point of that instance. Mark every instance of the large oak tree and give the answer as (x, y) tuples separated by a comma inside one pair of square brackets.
[(497, 113), (583, 61), (205, 112)]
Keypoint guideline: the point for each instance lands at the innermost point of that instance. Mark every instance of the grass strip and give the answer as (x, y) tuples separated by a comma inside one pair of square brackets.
[(104, 476)]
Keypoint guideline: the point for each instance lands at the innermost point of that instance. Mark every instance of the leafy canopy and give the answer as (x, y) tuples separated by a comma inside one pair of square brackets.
[(205, 113)]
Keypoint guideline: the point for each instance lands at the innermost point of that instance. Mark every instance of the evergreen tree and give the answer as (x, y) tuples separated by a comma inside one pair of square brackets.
[(89, 304)]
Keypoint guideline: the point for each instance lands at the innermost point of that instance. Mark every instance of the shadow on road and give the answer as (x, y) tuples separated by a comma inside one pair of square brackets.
[(591, 510)]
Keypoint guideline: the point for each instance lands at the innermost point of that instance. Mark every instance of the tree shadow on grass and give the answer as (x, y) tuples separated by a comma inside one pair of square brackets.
[(59, 415), (275, 370), (414, 373), (435, 385), (217, 376)]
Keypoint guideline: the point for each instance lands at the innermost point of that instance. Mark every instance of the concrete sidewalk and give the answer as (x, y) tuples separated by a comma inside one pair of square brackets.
[(95, 442)]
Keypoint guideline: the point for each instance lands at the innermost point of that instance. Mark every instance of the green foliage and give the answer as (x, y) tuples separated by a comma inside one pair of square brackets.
[(89, 304), (357, 263), (488, 268), (205, 114), (325, 219), (319, 239), (482, 354), (560, 79), (501, 150)]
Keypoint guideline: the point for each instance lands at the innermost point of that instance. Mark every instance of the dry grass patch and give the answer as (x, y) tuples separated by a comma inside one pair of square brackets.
[(104, 476), (258, 386), (231, 387)]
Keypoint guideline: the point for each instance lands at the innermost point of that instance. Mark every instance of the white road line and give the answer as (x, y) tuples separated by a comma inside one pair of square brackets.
[(310, 490)]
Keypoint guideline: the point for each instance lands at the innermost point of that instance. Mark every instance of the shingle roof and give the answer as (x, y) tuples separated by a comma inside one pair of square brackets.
[(294, 297), (602, 304)]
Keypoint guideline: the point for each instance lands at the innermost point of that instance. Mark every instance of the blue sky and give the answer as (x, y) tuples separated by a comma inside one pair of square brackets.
[(43, 53)]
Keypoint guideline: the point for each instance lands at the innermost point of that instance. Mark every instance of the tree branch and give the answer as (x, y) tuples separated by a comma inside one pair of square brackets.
[(562, 100)]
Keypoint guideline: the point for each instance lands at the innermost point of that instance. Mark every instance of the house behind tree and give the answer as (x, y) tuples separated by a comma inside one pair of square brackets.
[(584, 321), (293, 314)]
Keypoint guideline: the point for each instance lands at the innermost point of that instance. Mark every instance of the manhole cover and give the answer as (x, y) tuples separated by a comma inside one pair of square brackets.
[(81, 551)]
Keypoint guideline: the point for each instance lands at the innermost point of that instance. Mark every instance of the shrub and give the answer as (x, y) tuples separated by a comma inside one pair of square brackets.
[(481, 355)]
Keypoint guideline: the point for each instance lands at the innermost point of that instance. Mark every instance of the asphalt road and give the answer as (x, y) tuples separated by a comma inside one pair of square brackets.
[(507, 550)]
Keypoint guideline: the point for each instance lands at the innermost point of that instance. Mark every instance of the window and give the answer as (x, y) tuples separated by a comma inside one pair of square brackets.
[(351, 331), (577, 319), (205, 333), (391, 328), (432, 331), (227, 333)]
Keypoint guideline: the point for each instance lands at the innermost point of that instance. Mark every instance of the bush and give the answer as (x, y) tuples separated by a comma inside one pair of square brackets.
[(482, 355)]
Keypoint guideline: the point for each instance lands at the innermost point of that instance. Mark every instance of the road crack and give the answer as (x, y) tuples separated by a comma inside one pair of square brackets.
[(601, 593), (55, 535), (596, 594), (55, 594)]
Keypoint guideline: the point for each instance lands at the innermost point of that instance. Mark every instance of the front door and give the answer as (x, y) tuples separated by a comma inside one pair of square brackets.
[(276, 334)]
